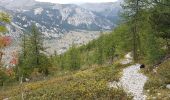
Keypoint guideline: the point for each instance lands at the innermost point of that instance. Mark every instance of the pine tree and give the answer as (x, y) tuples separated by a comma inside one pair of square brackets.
[(74, 58), (160, 22), (109, 48), (100, 51), (132, 15), (32, 55), (36, 45), (35, 55), (61, 60)]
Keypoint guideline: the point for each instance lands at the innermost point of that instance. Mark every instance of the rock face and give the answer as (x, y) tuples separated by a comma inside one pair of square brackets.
[(133, 82), (106, 10)]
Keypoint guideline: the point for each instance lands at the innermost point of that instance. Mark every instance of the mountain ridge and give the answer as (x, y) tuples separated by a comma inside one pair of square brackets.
[(56, 19)]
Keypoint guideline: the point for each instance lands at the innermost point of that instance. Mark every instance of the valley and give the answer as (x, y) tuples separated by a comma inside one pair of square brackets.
[(61, 24)]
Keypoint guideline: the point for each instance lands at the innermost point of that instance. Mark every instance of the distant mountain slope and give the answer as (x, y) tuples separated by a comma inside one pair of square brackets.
[(56, 19), (106, 10)]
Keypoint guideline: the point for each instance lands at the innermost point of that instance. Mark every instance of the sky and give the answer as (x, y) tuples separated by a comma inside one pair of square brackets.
[(76, 1)]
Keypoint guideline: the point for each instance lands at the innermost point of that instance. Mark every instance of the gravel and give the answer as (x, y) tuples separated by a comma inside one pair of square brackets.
[(133, 82), (127, 59)]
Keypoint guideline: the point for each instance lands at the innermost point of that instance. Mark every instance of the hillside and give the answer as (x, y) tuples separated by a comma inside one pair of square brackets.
[(70, 51), (90, 83)]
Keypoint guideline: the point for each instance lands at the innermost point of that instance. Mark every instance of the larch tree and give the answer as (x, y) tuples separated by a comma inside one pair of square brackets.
[(74, 58), (132, 14), (160, 20)]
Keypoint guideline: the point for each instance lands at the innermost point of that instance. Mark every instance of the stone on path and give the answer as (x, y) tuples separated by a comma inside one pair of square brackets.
[(168, 86), (127, 60)]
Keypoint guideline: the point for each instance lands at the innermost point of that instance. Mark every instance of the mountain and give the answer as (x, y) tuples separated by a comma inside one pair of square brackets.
[(54, 20), (105, 10), (61, 24)]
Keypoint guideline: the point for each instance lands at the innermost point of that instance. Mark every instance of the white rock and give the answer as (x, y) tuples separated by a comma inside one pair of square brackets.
[(38, 11), (159, 94), (127, 60), (168, 86), (133, 81), (128, 56), (114, 84), (148, 90), (6, 99), (154, 98)]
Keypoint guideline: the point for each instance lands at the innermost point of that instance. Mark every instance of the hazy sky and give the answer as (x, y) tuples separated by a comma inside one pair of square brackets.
[(75, 1)]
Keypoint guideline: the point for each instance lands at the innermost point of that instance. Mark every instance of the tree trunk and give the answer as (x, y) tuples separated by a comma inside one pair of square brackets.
[(168, 46), (21, 86), (134, 46), (1, 54), (135, 55)]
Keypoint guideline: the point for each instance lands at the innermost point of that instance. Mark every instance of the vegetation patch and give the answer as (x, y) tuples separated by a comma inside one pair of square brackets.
[(91, 84), (156, 84)]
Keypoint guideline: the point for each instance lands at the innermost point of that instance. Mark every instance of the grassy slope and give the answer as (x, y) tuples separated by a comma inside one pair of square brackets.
[(156, 85), (89, 84)]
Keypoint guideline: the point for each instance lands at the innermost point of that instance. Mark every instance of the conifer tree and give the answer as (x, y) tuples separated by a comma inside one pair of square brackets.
[(32, 55), (132, 15), (160, 22), (100, 51), (74, 58)]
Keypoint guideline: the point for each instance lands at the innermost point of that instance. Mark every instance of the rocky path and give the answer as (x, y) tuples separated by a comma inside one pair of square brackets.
[(133, 82)]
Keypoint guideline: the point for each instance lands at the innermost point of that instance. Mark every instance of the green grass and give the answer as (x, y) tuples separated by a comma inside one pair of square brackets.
[(85, 84)]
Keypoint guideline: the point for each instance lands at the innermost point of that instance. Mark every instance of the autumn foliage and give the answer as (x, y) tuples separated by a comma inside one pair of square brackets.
[(5, 41)]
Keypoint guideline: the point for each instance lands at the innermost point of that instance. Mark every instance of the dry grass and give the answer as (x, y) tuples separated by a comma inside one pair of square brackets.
[(156, 85)]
